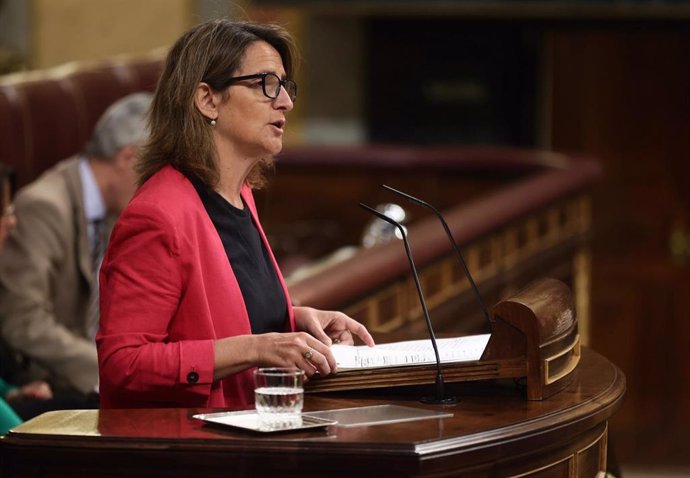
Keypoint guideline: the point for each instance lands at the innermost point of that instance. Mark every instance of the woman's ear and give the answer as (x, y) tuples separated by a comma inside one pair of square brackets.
[(206, 101)]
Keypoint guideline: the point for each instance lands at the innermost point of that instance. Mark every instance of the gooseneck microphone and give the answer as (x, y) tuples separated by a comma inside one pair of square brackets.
[(461, 259), (440, 397)]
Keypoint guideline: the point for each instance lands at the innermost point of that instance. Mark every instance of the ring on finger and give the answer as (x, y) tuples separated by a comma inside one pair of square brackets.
[(309, 354)]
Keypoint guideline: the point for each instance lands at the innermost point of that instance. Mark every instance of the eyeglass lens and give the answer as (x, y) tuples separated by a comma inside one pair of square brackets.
[(272, 84)]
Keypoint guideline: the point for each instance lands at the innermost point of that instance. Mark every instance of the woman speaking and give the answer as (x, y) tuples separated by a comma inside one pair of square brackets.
[(192, 298)]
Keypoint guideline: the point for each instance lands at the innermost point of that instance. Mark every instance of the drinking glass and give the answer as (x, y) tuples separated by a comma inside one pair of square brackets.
[(279, 396)]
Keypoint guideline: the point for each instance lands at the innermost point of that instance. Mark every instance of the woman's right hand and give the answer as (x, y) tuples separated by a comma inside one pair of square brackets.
[(295, 349)]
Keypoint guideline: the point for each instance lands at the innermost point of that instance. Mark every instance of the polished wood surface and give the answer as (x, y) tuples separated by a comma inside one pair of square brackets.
[(494, 431)]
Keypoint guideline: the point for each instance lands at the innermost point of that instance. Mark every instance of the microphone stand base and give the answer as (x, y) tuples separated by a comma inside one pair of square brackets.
[(439, 401)]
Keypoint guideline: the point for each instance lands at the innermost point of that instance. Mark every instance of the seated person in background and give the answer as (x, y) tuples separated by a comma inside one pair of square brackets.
[(10, 394), (48, 268), (191, 296)]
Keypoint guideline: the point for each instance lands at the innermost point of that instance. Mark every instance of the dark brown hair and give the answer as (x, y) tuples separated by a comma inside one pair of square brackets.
[(180, 135)]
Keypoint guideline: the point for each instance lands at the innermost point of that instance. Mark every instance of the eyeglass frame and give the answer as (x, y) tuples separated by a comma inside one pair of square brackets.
[(281, 84)]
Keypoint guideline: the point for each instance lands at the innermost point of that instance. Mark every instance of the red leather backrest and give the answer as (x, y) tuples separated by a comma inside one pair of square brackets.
[(47, 116), (12, 130)]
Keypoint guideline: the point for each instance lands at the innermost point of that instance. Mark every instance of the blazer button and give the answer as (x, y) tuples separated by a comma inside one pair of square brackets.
[(192, 377)]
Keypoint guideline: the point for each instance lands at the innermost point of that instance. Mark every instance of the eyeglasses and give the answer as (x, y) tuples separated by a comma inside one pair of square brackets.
[(270, 84)]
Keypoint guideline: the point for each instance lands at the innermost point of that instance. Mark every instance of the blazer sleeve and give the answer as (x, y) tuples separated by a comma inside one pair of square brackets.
[(142, 282), (29, 268)]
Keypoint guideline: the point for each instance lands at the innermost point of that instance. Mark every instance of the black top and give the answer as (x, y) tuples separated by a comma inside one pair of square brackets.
[(250, 261)]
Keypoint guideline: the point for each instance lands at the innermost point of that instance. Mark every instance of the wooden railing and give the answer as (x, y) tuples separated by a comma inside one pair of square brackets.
[(534, 221)]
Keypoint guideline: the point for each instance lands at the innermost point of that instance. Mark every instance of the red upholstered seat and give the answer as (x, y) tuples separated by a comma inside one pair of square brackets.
[(46, 116)]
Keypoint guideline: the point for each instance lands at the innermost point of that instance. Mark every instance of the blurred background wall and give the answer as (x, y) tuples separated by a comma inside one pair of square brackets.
[(44, 33), (610, 79)]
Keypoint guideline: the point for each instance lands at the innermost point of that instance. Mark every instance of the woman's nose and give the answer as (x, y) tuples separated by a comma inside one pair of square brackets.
[(283, 100)]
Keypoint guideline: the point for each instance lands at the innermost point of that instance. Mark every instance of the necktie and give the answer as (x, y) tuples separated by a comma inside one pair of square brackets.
[(98, 243)]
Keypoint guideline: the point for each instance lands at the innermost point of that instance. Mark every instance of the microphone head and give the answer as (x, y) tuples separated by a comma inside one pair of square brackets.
[(380, 231)]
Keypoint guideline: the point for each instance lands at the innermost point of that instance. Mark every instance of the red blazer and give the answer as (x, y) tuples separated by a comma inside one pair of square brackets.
[(167, 291)]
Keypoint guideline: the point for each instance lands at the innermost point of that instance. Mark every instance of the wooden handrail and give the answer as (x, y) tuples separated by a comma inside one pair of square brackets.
[(369, 269)]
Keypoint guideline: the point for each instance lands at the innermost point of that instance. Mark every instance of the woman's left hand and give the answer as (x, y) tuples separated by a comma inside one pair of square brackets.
[(330, 326)]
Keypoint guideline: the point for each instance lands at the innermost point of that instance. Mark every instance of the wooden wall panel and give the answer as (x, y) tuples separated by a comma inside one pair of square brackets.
[(622, 93), (69, 30)]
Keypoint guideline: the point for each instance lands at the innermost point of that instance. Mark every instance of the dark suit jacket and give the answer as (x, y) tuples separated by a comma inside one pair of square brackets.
[(167, 293)]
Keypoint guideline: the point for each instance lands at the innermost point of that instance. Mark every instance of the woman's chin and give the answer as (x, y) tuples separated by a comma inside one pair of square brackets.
[(274, 148)]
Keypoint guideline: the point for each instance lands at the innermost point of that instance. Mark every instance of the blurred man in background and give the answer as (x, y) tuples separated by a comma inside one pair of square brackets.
[(48, 268)]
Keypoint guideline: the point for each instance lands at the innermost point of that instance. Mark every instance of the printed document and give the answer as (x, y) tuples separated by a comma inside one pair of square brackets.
[(411, 352)]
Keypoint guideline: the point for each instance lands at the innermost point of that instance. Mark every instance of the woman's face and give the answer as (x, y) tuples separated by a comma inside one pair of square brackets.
[(249, 123)]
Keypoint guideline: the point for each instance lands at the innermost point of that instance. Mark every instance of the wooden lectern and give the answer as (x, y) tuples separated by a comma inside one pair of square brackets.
[(533, 336), (492, 432), (539, 326)]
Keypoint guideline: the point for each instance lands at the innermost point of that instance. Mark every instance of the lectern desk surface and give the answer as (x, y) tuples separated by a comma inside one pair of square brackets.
[(494, 431)]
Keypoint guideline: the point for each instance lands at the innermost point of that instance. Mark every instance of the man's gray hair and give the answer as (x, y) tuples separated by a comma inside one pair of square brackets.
[(123, 123)]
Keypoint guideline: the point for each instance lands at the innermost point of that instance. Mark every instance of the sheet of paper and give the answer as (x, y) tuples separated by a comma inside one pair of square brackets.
[(411, 352)]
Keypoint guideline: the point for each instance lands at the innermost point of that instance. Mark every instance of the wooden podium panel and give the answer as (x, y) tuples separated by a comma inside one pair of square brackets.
[(493, 432), (531, 338)]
